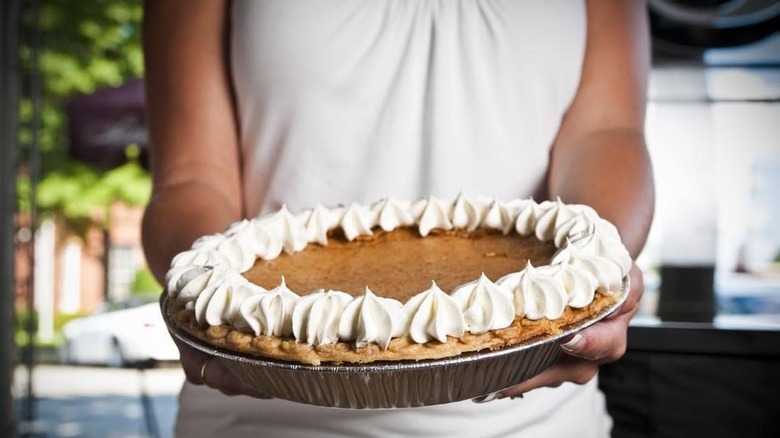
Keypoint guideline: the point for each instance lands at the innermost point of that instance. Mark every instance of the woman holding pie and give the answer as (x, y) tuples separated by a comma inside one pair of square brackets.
[(257, 104)]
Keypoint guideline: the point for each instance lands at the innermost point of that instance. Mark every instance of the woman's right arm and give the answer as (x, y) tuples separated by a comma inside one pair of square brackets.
[(193, 134), (194, 147)]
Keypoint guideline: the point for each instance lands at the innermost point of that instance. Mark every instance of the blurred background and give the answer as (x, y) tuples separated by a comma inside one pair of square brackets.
[(88, 353), (85, 352)]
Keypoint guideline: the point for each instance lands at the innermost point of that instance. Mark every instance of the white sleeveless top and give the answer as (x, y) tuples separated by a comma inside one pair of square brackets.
[(344, 101)]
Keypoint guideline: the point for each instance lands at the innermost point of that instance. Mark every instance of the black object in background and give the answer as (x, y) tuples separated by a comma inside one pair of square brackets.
[(687, 293)]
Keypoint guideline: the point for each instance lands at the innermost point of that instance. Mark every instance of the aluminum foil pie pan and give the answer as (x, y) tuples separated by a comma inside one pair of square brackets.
[(400, 384)]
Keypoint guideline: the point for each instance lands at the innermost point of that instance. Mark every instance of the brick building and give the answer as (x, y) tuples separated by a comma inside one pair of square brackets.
[(77, 274)]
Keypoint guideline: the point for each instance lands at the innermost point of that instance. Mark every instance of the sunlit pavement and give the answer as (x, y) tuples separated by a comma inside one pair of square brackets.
[(98, 402)]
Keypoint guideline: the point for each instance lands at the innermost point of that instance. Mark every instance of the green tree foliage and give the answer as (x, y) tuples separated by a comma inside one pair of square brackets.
[(144, 286), (83, 46)]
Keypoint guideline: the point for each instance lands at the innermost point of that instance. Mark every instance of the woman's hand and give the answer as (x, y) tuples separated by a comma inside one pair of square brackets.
[(203, 369), (584, 352)]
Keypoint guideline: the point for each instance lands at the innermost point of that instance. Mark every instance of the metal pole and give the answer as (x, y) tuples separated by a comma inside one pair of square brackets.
[(33, 169), (9, 95), (146, 402)]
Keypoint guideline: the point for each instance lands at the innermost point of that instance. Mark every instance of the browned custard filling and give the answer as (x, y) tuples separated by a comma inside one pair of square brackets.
[(401, 263)]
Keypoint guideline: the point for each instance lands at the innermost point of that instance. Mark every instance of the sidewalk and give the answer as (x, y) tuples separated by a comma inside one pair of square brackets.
[(98, 402)]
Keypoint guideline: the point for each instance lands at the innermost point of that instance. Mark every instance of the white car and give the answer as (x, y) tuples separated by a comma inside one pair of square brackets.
[(132, 336)]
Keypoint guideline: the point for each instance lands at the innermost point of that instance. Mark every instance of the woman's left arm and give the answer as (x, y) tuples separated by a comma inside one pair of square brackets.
[(600, 159)]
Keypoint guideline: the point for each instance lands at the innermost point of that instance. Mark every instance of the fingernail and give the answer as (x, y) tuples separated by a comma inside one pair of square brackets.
[(486, 398), (574, 344)]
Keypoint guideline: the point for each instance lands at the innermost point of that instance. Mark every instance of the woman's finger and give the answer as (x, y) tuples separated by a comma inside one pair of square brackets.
[(228, 384), (601, 343), (192, 362), (203, 369), (565, 369)]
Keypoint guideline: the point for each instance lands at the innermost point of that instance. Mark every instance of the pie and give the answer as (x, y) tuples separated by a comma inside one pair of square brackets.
[(397, 280)]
